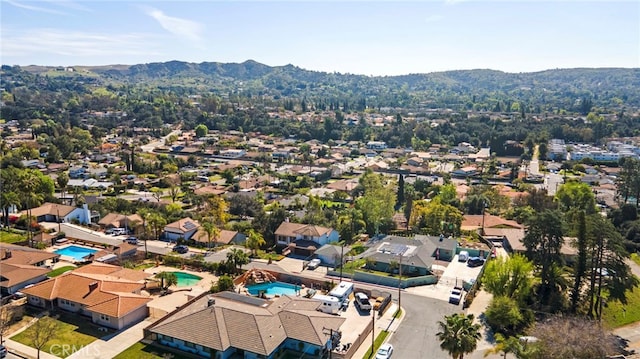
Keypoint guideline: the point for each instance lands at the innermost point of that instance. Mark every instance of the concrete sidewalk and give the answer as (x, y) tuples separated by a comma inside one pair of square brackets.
[(386, 322), (26, 351)]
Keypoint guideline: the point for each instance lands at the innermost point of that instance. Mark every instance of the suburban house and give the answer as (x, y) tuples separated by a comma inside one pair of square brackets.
[(228, 324), (22, 266), (513, 241), (184, 228), (109, 294), (304, 239), (415, 255), (114, 253), (223, 237), (117, 220), (464, 172), (53, 212), (330, 254)]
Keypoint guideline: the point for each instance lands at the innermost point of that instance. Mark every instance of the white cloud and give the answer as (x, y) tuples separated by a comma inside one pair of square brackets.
[(180, 27), (74, 43), (34, 8)]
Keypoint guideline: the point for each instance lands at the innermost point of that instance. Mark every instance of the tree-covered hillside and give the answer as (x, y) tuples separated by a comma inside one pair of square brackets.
[(552, 90)]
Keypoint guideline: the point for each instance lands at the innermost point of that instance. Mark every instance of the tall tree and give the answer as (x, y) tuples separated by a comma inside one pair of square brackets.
[(543, 243), (509, 277), (210, 230), (581, 262), (254, 241), (42, 331), (458, 334)]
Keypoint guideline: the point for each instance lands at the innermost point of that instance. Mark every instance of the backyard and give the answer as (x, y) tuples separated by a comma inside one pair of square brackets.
[(73, 330), (11, 237)]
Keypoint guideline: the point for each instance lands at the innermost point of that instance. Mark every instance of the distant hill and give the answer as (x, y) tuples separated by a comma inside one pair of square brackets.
[(606, 86)]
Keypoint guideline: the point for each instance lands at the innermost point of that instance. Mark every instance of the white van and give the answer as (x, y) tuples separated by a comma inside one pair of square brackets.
[(342, 290), (463, 256), (329, 304)]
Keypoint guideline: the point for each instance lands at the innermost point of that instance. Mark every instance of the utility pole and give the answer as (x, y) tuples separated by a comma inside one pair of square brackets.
[(373, 334), (400, 283), (341, 260)]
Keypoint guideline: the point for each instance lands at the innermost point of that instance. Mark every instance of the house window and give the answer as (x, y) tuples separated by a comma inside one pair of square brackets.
[(104, 317), (189, 345)]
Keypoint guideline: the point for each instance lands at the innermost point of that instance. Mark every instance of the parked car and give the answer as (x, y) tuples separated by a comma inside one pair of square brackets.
[(314, 263), (362, 302), (385, 351), (463, 256), (3, 351), (132, 240), (456, 295), (181, 248), (475, 262)]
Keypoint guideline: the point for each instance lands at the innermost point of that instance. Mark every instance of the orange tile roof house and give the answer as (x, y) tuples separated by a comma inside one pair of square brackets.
[(109, 294), (22, 266), (226, 324), (304, 239)]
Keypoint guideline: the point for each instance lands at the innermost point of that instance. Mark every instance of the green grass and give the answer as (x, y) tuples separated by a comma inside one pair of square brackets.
[(145, 351), (377, 343), (58, 271), (398, 313), (615, 314), (144, 266), (11, 237), (636, 258), (73, 330)]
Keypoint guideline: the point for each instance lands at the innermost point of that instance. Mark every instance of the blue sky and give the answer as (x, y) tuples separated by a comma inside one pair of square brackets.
[(360, 37)]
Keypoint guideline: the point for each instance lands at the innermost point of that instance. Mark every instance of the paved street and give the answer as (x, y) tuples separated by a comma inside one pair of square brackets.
[(415, 337)]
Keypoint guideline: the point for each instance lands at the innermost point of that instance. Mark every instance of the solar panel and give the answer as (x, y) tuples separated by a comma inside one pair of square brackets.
[(189, 226)]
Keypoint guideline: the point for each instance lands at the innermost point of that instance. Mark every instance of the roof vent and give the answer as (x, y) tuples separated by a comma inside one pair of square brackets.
[(211, 301)]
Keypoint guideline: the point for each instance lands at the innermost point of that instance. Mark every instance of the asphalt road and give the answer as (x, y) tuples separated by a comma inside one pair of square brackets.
[(415, 337)]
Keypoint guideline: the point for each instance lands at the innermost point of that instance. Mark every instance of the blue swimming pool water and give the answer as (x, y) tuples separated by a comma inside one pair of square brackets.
[(274, 288), (75, 252), (186, 279)]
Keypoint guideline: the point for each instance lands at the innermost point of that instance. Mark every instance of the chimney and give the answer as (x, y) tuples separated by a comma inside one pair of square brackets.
[(211, 301), (87, 213), (92, 286), (7, 254)]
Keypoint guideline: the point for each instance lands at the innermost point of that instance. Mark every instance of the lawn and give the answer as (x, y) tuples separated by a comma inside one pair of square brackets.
[(11, 237), (73, 330), (615, 314), (378, 342), (145, 351), (56, 272)]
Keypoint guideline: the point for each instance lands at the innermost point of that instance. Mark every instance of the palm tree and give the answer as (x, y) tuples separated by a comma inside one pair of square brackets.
[(210, 230), (254, 241), (238, 257), (510, 345), (144, 214), (458, 335), (167, 279)]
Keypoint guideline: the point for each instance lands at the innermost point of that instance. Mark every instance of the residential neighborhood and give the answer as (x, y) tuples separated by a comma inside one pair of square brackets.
[(201, 225)]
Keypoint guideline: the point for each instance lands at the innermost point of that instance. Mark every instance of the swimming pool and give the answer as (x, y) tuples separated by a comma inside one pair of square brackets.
[(274, 288), (186, 279), (76, 252)]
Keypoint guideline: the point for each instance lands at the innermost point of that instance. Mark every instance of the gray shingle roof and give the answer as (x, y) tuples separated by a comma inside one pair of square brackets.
[(258, 327)]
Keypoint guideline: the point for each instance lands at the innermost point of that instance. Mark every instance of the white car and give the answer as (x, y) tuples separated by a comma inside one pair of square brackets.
[(385, 351), (314, 263)]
